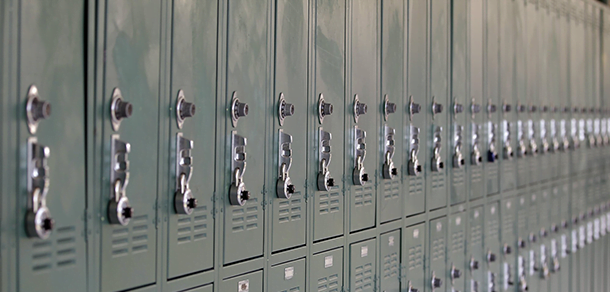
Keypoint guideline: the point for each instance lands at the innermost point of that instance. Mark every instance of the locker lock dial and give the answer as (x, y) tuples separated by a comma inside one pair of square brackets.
[(389, 170), (359, 175), (325, 181), (359, 108), (119, 209), (184, 201), (388, 107), (507, 249), (324, 108), (284, 186), (414, 108), (436, 282), (238, 109), (491, 257), (36, 109), (238, 195), (455, 273), (284, 109), (119, 109), (474, 265), (184, 109), (38, 217)]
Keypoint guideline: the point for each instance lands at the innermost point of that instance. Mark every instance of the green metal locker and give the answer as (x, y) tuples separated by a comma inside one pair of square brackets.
[(492, 130), (363, 266), (475, 254), (416, 105), (392, 131), (493, 250), (190, 233), (326, 135), (414, 241), (289, 145), (509, 277), (476, 131), (461, 156), (246, 101), (438, 126), (522, 37), (456, 256), (326, 271), (390, 256), (359, 122), (436, 278), (129, 52), (50, 194), (289, 276), (251, 282)]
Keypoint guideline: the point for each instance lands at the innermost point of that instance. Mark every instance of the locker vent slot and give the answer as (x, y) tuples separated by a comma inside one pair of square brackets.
[(194, 227), (438, 180), (329, 203), (507, 225), (438, 249), (475, 235), (458, 178), (391, 190), (416, 186), (133, 238), (415, 257), (290, 210), (364, 196), (457, 241), (363, 278), (476, 174), (246, 217), (329, 284), (492, 228), (390, 266), (293, 289), (60, 253), (509, 168)]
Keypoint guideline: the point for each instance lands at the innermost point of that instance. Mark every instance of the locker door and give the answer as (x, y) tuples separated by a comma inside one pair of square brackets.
[(252, 282), (507, 125), (522, 36), (290, 136), (565, 251), (475, 131), (475, 254), (363, 266), (436, 278), (326, 135), (130, 80), (493, 250), (414, 257), (390, 261), (491, 88), (359, 122), (392, 130), (440, 152), (326, 274), (461, 154), (416, 150), (51, 141), (288, 277), (456, 259), (555, 242), (544, 250), (246, 101), (193, 80), (509, 265), (530, 231), (533, 22)]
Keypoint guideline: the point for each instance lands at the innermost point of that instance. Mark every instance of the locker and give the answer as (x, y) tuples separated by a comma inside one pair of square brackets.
[(555, 244), (491, 88), (565, 239), (530, 102), (546, 50), (50, 104), (414, 257), (327, 120), (193, 81), (246, 102), (130, 79), (493, 250), (363, 270), (476, 134), (509, 276), (456, 259), (544, 232), (475, 255), (359, 122), (287, 277), (436, 274), (438, 126), (522, 35), (507, 95), (392, 118), (390, 261), (289, 215), (326, 271), (416, 104), (531, 253), (461, 154), (251, 282)]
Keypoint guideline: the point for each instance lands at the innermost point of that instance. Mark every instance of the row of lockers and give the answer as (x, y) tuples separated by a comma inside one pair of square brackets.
[(318, 145)]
